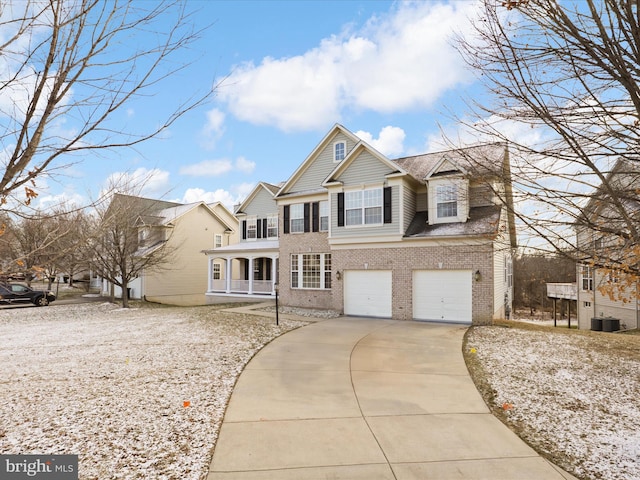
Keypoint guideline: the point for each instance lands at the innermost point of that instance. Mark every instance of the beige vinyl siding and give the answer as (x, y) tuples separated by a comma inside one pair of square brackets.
[(320, 168), (480, 195), (366, 169), (187, 275), (501, 250), (422, 201), (367, 231), (262, 205), (409, 206)]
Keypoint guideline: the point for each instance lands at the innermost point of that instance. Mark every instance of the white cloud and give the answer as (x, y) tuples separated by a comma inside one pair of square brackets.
[(228, 198), (213, 129), (245, 166), (216, 168), (207, 168), (390, 141), (398, 62), (142, 181)]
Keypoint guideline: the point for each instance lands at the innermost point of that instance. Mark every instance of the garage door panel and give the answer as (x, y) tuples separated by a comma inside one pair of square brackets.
[(444, 295), (367, 293)]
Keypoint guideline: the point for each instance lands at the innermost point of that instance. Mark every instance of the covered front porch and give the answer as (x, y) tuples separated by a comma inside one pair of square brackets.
[(248, 268)]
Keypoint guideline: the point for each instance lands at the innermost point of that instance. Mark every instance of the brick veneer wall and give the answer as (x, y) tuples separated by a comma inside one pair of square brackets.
[(403, 261), (303, 243)]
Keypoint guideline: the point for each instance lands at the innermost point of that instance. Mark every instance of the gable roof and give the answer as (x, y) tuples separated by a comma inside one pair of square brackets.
[(271, 189), (337, 128), (485, 160), (353, 154)]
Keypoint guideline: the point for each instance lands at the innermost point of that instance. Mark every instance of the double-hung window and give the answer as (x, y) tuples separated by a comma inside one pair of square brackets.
[(339, 151), (587, 278), (216, 271), (311, 270), (297, 218), (363, 207), (272, 226), (217, 240), (252, 228), (324, 216), (447, 201)]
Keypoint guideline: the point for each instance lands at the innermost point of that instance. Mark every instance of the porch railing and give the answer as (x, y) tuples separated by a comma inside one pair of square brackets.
[(242, 286)]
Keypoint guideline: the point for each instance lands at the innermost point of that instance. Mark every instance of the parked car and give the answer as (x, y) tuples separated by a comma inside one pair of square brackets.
[(16, 293)]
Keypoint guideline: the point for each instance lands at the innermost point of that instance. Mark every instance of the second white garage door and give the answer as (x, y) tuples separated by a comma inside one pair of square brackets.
[(443, 295), (367, 293)]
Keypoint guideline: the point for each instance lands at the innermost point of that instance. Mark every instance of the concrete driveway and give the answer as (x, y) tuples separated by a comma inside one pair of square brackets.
[(366, 399)]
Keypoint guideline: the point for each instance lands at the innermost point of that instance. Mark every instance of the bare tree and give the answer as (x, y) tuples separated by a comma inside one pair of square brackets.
[(129, 240), (69, 67), (564, 90)]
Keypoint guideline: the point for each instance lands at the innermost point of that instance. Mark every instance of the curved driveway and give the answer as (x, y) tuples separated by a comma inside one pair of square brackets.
[(367, 399)]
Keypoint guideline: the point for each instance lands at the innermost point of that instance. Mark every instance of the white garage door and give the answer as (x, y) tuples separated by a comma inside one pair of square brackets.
[(367, 293), (442, 295)]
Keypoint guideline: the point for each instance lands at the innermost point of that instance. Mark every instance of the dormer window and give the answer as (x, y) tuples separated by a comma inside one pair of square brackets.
[(447, 201), (339, 151)]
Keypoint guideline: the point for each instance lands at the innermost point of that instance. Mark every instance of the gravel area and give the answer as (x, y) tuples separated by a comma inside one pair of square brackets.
[(137, 393), (572, 395)]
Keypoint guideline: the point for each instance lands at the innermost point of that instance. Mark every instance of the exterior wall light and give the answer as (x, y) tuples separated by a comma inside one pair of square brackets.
[(478, 276), (338, 275)]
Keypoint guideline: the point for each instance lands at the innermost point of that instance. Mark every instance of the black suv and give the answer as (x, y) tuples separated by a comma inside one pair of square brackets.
[(11, 293)]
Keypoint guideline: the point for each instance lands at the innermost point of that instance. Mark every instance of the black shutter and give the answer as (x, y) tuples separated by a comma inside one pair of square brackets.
[(259, 228), (244, 229), (341, 209), (307, 223), (387, 204), (315, 216), (286, 219), (264, 228)]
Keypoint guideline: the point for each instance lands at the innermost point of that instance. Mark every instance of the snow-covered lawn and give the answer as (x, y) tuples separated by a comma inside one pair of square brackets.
[(137, 394), (575, 396)]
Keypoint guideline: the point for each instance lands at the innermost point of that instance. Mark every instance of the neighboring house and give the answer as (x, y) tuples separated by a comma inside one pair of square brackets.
[(184, 230), (426, 237), (250, 266), (607, 247)]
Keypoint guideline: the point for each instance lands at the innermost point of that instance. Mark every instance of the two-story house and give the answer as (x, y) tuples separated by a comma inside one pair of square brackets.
[(607, 241), (182, 231), (427, 237)]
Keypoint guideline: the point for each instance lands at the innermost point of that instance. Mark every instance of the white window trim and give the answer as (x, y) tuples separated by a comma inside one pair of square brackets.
[(588, 278), (335, 146), (217, 240), (325, 204), (216, 269), (462, 186), (324, 259), (292, 218), (364, 208), (252, 226), (272, 224)]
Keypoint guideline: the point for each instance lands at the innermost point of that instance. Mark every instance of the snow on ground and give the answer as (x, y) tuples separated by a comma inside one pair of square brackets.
[(573, 395), (137, 393)]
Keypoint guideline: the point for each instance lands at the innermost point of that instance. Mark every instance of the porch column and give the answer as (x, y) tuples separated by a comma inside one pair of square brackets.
[(210, 279), (274, 274), (227, 274), (250, 276)]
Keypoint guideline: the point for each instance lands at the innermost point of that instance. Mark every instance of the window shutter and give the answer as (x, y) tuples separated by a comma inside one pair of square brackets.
[(387, 204), (244, 229), (307, 226), (259, 228), (341, 209), (315, 216), (264, 228), (286, 219)]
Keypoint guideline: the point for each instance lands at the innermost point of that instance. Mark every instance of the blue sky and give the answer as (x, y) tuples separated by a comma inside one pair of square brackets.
[(286, 72)]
